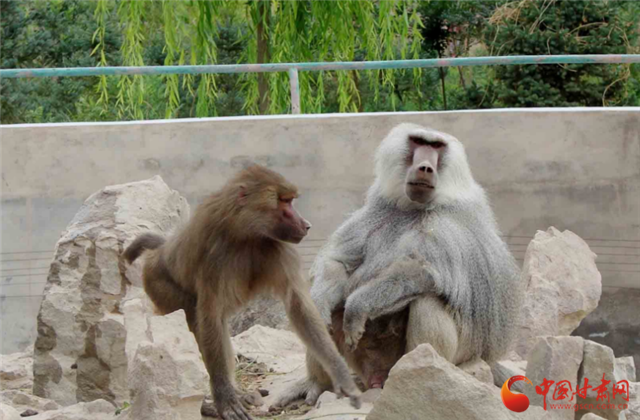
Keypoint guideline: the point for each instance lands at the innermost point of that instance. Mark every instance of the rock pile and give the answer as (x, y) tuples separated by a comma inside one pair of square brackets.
[(101, 353), (563, 286), (80, 348), (166, 376)]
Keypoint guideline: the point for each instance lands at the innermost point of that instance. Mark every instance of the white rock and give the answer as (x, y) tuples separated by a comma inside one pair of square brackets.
[(167, 377), (329, 407), (94, 410), (16, 370), (625, 368), (371, 395), (598, 360), (563, 286), (423, 385), (8, 413), (136, 326), (479, 369), (591, 416), (633, 410), (278, 349), (22, 401), (80, 348), (555, 359), (325, 398), (505, 369), (598, 364)]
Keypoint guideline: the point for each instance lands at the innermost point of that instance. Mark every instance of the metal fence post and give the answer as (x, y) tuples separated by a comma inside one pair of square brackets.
[(295, 90)]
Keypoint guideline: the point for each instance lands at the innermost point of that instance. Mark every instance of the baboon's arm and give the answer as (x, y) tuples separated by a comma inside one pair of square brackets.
[(307, 323), (391, 291), (330, 273)]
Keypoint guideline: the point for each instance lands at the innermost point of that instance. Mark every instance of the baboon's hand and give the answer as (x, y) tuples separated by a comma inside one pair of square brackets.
[(232, 409), (348, 388), (353, 326), (352, 336)]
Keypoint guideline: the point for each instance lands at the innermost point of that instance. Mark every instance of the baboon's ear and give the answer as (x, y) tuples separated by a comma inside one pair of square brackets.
[(242, 195)]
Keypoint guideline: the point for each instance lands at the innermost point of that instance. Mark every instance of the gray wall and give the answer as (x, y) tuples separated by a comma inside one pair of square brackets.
[(576, 169)]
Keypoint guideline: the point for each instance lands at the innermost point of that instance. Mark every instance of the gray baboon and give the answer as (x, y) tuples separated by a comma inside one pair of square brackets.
[(235, 247), (425, 239)]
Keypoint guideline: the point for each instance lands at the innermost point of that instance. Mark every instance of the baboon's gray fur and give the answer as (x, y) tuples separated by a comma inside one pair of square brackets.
[(393, 251), (445, 259)]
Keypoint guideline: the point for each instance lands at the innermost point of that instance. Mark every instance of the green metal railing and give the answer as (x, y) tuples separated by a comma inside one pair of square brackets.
[(294, 68)]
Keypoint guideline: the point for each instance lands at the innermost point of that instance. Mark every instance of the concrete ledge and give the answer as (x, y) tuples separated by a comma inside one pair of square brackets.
[(573, 168)]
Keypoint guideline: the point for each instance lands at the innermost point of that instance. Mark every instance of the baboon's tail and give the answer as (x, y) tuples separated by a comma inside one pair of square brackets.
[(141, 243)]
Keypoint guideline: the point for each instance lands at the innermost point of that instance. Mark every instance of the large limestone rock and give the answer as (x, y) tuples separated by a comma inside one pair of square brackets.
[(16, 370), (423, 385), (167, 376), (599, 364), (80, 347), (555, 359), (563, 285)]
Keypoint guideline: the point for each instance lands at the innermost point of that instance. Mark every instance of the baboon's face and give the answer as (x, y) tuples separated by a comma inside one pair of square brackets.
[(289, 225), (422, 168)]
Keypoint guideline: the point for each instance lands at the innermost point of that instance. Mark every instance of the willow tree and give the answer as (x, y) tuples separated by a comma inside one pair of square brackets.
[(277, 31)]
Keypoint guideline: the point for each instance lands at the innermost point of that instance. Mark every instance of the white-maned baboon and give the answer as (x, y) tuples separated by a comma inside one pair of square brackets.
[(427, 240), (236, 246)]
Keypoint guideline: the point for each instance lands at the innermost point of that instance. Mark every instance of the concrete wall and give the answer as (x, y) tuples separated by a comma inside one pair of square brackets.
[(576, 169)]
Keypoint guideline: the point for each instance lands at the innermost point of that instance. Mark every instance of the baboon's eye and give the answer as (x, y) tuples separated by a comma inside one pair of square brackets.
[(418, 140), (285, 200)]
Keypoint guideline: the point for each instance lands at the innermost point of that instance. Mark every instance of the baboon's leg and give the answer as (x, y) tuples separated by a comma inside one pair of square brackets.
[(165, 293), (430, 322)]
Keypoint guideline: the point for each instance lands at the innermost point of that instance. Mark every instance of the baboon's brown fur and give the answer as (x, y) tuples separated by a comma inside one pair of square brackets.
[(237, 245)]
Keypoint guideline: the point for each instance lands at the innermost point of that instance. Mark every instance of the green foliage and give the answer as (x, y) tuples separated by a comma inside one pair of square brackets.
[(74, 33), (119, 410), (532, 27), (52, 33), (295, 31)]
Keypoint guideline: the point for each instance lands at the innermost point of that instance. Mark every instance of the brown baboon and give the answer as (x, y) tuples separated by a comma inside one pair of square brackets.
[(236, 246), (380, 347)]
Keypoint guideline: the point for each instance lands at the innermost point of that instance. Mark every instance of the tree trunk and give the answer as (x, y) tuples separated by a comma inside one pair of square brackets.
[(263, 54), (444, 92), (462, 81)]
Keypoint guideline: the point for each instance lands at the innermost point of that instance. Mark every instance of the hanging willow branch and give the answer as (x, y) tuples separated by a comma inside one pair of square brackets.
[(131, 88), (277, 31), (101, 13), (173, 49)]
